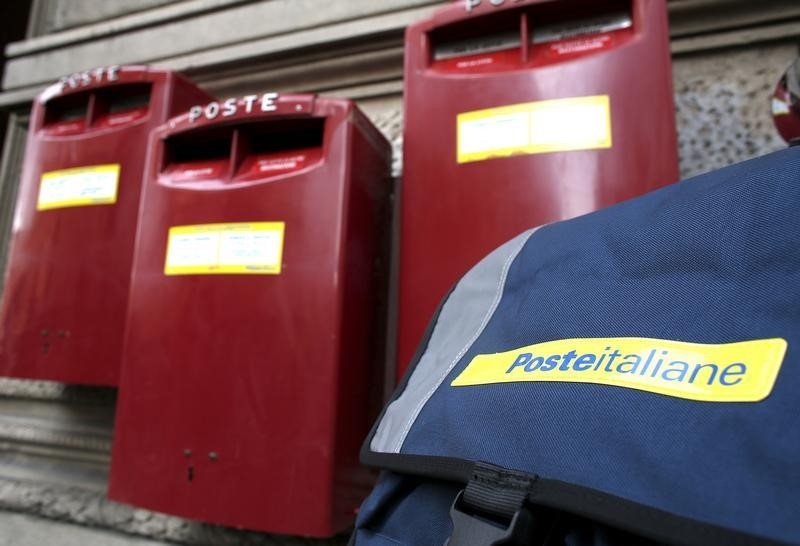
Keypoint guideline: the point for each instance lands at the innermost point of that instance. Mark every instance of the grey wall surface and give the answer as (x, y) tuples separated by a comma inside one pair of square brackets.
[(54, 439), (722, 101), (65, 14)]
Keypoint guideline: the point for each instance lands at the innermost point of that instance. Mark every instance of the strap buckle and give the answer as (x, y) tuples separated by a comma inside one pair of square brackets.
[(473, 529)]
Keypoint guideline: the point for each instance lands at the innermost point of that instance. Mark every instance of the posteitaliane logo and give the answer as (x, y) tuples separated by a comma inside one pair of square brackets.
[(743, 371)]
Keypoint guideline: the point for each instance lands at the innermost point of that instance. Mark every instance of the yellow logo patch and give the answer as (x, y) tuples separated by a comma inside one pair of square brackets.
[(744, 371)]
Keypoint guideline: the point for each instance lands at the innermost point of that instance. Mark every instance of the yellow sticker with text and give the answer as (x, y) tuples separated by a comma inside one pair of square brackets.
[(557, 125), (78, 187), (234, 248), (743, 371)]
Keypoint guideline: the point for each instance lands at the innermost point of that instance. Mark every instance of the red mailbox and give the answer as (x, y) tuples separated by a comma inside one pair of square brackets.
[(519, 113), (70, 258), (250, 348), (786, 104)]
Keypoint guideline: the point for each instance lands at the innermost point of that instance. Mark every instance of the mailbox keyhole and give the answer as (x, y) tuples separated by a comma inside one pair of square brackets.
[(190, 473)]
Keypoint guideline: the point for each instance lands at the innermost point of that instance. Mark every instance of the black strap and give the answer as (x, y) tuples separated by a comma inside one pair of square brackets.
[(493, 510), (497, 492), (561, 497)]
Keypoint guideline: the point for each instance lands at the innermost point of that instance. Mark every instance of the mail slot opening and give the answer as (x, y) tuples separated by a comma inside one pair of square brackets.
[(67, 113), (279, 147), (198, 155), (286, 135), (475, 45), (121, 104), (557, 34)]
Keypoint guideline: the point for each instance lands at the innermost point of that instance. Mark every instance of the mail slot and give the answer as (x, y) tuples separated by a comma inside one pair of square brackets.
[(253, 338), (69, 265), (521, 113)]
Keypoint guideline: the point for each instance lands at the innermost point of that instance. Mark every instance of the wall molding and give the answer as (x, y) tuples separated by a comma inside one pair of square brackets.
[(42, 9), (789, 31), (353, 49), (246, 33), (91, 508), (699, 17)]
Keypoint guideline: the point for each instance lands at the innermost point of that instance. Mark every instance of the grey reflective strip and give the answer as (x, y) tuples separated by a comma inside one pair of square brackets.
[(461, 320)]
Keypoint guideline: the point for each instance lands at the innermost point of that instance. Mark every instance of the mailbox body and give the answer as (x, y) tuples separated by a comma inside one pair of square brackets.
[(490, 65), (245, 396), (67, 279)]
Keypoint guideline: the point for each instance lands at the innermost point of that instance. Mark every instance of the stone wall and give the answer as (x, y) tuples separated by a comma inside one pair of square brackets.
[(722, 102), (51, 17)]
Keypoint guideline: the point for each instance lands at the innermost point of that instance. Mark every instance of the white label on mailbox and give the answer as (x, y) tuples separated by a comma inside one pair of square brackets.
[(81, 186), (254, 248), (239, 248), (192, 249), (570, 125), (495, 132), (557, 125), (779, 107)]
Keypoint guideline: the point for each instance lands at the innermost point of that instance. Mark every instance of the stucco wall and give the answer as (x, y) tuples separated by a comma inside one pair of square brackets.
[(722, 102)]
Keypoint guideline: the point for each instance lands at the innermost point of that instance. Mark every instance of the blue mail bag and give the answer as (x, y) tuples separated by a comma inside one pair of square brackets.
[(631, 376)]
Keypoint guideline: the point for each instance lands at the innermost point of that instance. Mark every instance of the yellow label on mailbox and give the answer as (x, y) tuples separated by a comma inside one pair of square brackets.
[(235, 248), (558, 125), (78, 187)]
